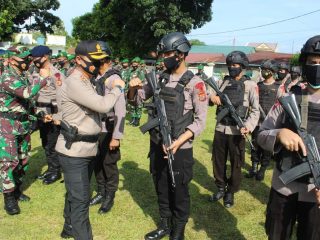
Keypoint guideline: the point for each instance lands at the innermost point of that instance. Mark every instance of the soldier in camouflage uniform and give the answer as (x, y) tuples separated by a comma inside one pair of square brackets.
[(3, 55), (63, 64), (136, 72), (125, 71), (201, 73), (16, 91)]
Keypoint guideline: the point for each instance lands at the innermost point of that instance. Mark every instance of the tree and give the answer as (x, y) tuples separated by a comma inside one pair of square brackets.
[(16, 15), (294, 61), (197, 42), (134, 27)]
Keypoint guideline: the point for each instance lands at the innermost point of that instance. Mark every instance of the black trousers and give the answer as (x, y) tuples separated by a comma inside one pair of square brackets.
[(259, 155), (49, 133), (172, 202), (77, 174), (284, 211), (234, 146), (106, 167)]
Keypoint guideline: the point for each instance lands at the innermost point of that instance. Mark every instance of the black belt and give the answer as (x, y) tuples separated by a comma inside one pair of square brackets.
[(80, 137), (14, 116), (40, 104)]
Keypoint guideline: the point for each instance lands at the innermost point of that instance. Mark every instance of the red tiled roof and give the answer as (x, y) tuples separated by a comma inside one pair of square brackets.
[(204, 57), (258, 57)]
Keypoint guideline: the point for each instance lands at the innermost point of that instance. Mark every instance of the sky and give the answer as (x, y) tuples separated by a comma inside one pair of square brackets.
[(237, 14)]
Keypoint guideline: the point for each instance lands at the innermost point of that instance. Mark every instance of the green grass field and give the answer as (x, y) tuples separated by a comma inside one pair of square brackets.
[(135, 211)]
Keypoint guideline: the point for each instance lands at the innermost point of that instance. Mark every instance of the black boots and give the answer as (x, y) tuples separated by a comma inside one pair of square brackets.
[(51, 177), (177, 232), (260, 173), (228, 199), (107, 204), (163, 230), (218, 195), (97, 199), (253, 171), (66, 231), (18, 195), (10, 204)]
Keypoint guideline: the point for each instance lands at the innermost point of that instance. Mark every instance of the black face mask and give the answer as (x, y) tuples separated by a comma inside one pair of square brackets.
[(234, 71), (91, 67), (294, 76), (312, 73), (171, 63), (39, 63), (22, 65), (134, 68), (281, 75), (61, 63), (266, 74)]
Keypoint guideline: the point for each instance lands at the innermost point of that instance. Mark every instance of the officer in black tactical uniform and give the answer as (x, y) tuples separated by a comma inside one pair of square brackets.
[(284, 74), (186, 115), (299, 200), (269, 92), (229, 138)]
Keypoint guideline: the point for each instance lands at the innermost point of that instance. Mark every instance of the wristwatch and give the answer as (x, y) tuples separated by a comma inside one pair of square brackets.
[(120, 88)]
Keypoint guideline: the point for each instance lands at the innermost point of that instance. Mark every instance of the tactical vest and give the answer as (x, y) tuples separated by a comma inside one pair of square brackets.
[(286, 159), (174, 101), (267, 95), (235, 90), (100, 85)]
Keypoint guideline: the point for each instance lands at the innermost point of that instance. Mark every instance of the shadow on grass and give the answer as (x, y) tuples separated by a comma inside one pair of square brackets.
[(213, 218), (36, 162), (139, 183)]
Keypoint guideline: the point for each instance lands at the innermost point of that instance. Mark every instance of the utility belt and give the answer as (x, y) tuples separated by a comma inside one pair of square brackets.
[(15, 116), (228, 121), (51, 106), (70, 134)]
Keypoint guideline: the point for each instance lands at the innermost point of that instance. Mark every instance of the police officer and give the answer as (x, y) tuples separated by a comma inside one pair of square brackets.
[(228, 138), (106, 168), (269, 92), (190, 105), (47, 106), (299, 200), (283, 74), (16, 92), (80, 127), (295, 75)]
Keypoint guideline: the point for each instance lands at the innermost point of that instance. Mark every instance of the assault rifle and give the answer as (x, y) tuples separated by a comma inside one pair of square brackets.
[(228, 107), (160, 120), (310, 163)]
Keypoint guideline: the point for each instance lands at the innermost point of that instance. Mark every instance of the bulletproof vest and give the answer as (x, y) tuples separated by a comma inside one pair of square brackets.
[(100, 86), (268, 95), (235, 90), (287, 159), (174, 103)]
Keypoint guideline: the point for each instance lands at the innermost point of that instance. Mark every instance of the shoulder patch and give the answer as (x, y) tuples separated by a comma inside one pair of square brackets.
[(201, 91)]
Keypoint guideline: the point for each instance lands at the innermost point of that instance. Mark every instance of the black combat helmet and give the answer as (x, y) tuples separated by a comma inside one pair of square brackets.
[(175, 41), (283, 65), (105, 47), (270, 65), (311, 47), (238, 57), (296, 69)]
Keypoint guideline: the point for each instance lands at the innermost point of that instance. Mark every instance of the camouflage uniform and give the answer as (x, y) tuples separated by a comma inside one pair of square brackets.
[(15, 95)]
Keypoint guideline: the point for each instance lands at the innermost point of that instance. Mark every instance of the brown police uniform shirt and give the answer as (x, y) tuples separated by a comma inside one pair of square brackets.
[(196, 100), (118, 113), (251, 100), (267, 140), (81, 105)]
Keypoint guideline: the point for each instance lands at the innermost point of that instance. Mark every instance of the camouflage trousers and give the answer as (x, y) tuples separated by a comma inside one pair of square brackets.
[(14, 154), (136, 111)]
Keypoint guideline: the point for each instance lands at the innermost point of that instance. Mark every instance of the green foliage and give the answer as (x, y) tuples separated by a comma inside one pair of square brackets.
[(134, 27), (135, 210), (197, 42), (294, 61), (15, 15)]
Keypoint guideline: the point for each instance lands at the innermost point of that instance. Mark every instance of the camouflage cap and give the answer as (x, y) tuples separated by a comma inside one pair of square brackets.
[(23, 54), (62, 54), (142, 62), (200, 67), (71, 57), (125, 60), (136, 59)]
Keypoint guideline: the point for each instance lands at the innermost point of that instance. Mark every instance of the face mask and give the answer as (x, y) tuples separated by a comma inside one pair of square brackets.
[(134, 67), (281, 75), (22, 65), (91, 67), (171, 63), (266, 74), (312, 73), (39, 63), (294, 76), (234, 71), (61, 63)]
